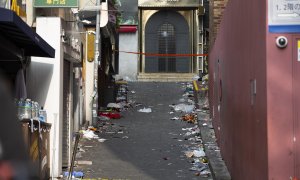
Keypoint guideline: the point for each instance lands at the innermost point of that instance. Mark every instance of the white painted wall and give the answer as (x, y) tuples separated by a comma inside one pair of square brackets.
[(45, 85), (89, 89), (128, 63)]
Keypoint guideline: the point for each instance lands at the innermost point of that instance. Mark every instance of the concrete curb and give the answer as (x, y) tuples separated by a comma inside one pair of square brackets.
[(217, 165)]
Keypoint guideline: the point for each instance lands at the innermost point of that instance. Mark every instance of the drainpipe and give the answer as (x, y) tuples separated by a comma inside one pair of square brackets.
[(97, 65)]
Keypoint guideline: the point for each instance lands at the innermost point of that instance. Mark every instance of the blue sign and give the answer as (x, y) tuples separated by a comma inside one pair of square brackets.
[(284, 16)]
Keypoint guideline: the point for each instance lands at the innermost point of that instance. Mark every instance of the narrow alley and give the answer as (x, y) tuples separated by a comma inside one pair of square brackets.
[(150, 89), (143, 145)]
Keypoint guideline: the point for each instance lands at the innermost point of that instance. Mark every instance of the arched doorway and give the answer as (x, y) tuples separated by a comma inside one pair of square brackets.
[(167, 32)]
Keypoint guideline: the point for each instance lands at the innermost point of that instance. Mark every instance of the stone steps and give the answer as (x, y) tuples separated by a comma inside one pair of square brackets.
[(165, 77)]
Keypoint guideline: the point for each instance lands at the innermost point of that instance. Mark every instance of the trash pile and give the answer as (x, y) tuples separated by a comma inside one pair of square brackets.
[(186, 107), (113, 109), (186, 111), (195, 152), (203, 92), (90, 134), (145, 110)]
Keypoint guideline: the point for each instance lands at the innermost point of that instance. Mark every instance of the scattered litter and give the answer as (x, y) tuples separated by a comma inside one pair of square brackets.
[(121, 98), (182, 100), (88, 134), (103, 118), (191, 101), (125, 137), (194, 149), (189, 154), (194, 132), (138, 104), (186, 129), (199, 153), (133, 92), (195, 78), (92, 128), (126, 78), (84, 162), (145, 110), (199, 169), (111, 115), (195, 153), (204, 160), (114, 105), (102, 140), (205, 172), (184, 108), (190, 118), (80, 149), (75, 174)]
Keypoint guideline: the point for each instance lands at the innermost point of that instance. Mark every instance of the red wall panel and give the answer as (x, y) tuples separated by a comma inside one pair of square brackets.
[(258, 133), (241, 126), (280, 109)]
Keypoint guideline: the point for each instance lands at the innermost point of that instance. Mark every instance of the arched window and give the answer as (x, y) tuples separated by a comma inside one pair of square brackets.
[(167, 32)]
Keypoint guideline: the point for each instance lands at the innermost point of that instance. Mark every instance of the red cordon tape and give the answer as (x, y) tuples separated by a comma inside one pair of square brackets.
[(164, 55)]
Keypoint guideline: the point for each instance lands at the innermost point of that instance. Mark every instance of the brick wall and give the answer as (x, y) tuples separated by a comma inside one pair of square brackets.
[(216, 12)]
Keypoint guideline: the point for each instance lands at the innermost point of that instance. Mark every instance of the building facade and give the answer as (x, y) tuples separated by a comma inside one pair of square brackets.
[(128, 36), (170, 27), (254, 85), (56, 83), (216, 10), (71, 85)]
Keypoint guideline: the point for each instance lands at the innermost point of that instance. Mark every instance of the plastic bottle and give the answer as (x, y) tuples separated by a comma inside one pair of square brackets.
[(21, 108), (43, 115), (33, 110), (74, 174), (37, 110), (28, 109)]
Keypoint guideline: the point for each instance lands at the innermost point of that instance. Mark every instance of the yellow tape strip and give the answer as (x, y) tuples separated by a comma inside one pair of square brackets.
[(196, 86)]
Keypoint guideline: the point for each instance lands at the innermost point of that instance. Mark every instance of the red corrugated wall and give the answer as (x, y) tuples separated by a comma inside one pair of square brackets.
[(237, 59), (258, 134), (283, 99)]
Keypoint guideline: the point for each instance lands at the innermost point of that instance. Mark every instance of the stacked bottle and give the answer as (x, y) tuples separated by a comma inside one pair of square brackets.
[(21, 108), (43, 115), (28, 109)]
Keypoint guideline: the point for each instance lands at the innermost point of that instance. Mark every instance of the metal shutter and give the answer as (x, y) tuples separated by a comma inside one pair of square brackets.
[(66, 113), (167, 32)]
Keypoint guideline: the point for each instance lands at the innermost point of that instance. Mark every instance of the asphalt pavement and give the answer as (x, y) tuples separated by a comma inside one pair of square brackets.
[(142, 146)]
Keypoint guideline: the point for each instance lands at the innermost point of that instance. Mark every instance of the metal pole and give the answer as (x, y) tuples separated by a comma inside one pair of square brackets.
[(97, 59), (77, 137)]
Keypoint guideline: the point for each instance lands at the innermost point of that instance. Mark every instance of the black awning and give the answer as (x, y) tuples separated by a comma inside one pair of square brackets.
[(14, 29)]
